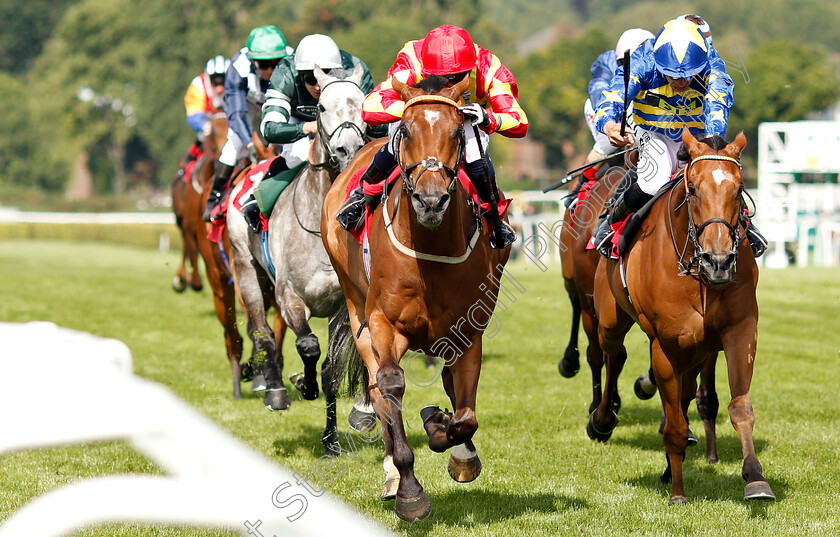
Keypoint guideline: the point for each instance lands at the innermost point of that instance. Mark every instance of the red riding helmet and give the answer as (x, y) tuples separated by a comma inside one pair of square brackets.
[(447, 50)]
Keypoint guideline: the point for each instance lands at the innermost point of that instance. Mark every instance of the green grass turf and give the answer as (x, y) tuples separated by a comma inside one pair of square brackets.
[(541, 476)]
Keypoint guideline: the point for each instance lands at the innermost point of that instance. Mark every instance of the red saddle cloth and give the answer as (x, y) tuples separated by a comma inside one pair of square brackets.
[(251, 179), (376, 190), (583, 193)]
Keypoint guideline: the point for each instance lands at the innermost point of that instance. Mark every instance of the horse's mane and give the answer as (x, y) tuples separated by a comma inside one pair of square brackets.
[(431, 84), (714, 141)]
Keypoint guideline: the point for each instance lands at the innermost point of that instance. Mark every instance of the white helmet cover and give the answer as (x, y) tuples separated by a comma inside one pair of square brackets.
[(317, 50), (217, 65), (631, 40)]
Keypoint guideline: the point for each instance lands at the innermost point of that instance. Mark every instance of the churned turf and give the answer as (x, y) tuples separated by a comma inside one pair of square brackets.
[(541, 475)]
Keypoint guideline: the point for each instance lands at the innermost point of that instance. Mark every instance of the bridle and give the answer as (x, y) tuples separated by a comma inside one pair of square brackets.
[(325, 137), (691, 267), (433, 165), (430, 164)]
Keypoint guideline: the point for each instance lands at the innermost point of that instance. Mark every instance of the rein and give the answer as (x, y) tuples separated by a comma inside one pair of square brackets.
[(691, 267), (433, 165)]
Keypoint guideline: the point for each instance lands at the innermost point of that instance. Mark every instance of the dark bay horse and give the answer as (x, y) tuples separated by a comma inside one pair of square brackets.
[(291, 256), (690, 285), (430, 264)]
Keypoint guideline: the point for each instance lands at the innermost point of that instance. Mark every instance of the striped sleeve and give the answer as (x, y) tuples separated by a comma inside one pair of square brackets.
[(496, 83), (383, 104)]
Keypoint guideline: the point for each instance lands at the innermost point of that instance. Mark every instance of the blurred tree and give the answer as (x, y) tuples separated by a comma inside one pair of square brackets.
[(787, 80), (26, 26), (553, 87)]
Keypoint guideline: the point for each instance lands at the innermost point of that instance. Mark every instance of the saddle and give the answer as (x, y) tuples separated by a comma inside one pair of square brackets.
[(626, 229)]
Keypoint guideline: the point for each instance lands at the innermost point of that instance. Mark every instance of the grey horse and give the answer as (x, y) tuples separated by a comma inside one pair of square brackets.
[(297, 265)]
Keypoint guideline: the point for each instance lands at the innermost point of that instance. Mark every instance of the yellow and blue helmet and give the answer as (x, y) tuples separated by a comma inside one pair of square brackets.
[(680, 50)]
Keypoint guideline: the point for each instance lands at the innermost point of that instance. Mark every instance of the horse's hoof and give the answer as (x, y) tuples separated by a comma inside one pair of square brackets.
[(246, 372), (435, 423), (362, 422), (644, 388), (298, 380), (179, 285), (332, 448), (389, 490), (276, 399), (567, 367), (464, 470), (758, 490), (600, 435), (678, 500), (692, 440), (258, 383), (411, 509)]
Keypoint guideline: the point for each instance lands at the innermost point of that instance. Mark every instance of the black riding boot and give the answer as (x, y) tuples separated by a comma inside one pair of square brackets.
[(630, 201), (251, 212), (351, 214), (758, 243), (220, 182), (505, 235)]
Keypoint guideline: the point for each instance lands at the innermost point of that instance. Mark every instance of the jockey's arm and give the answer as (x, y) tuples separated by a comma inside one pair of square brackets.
[(236, 105)]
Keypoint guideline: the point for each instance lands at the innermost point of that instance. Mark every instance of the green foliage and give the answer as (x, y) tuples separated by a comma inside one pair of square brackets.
[(553, 86), (26, 27), (787, 80)]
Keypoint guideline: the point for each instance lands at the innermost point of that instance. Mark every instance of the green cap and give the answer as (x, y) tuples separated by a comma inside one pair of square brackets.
[(266, 43)]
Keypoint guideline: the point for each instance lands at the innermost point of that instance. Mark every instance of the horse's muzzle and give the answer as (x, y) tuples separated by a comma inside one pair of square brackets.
[(718, 268), (430, 208)]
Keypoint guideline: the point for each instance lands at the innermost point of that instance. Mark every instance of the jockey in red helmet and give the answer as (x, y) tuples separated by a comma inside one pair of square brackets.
[(446, 51)]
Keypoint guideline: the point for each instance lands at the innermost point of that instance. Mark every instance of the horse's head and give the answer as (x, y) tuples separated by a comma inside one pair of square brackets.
[(213, 143), (340, 124), (431, 145), (713, 185)]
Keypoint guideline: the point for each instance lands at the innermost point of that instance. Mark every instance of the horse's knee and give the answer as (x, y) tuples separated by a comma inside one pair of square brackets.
[(391, 381), (708, 404), (462, 427), (308, 347)]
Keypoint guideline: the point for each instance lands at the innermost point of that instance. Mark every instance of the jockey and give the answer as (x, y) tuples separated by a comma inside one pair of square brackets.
[(288, 116), (446, 51), (603, 70), (204, 94), (246, 81), (677, 80)]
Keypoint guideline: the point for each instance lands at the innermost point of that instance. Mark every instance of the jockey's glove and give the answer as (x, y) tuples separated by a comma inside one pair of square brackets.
[(475, 114)]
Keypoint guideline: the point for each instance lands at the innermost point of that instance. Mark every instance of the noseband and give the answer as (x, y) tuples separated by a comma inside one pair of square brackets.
[(430, 163), (691, 267), (326, 138)]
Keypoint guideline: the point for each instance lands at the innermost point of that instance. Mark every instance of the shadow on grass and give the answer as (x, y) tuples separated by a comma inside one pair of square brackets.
[(703, 481), (475, 508)]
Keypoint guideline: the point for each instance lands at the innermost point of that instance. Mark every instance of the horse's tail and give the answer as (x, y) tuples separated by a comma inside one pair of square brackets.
[(345, 358)]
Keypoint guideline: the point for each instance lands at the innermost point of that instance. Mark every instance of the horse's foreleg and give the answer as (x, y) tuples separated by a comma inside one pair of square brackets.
[(251, 291), (675, 434), (389, 346), (224, 300), (595, 359), (708, 405), (191, 251), (739, 347), (464, 464), (296, 315)]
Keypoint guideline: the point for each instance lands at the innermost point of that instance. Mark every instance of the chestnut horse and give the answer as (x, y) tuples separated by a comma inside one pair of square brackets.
[(430, 259), (184, 192), (689, 282)]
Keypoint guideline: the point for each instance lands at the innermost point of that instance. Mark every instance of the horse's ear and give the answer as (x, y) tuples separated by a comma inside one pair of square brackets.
[(461, 87), (690, 142), (358, 73), (398, 86), (734, 149), (320, 76)]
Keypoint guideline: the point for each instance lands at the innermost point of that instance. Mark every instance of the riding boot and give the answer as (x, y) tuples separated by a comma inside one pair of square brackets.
[(758, 243), (505, 235), (251, 212), (351, 214), (630, 200), (220, 182)]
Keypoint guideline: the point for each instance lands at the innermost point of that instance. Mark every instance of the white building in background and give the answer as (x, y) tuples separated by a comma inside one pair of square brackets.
[(798, 192)]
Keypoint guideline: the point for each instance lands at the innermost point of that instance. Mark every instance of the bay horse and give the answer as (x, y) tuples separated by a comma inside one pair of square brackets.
[(291, 255), (430, 264), (688, 279)]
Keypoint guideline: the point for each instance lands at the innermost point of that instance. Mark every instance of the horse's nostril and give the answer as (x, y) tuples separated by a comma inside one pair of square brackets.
[(342, 151), (443, 201)]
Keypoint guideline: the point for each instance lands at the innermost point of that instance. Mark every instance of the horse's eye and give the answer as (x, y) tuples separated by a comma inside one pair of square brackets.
[(691, 191), (321, 108)]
